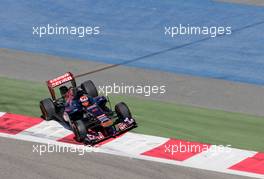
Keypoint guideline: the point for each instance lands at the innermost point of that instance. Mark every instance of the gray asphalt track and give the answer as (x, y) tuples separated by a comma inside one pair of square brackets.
[(19, 161), (202, 92), (249, 2)]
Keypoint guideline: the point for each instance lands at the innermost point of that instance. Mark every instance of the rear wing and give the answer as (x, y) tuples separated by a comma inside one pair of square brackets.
[(53, 83)]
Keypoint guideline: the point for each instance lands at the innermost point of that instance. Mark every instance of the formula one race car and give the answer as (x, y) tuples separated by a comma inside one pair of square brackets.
[(88, 115)]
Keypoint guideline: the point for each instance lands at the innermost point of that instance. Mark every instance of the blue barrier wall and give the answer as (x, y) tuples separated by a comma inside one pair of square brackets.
[(135, 30)]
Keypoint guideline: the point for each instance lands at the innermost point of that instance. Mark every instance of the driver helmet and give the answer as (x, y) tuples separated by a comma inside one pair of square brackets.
[(84, 100)]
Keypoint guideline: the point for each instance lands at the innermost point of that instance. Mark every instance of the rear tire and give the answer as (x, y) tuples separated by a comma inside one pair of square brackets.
[(122, 111), (47, 108), (79, 130), (89, 88)]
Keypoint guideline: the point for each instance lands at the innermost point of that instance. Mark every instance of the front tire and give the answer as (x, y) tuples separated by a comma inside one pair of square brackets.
[(79, 130), (122, 111), (47, 108)]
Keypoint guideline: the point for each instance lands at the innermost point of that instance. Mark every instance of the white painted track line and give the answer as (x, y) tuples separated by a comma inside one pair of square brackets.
[(219, 159), (47, 129), (135, 144)]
